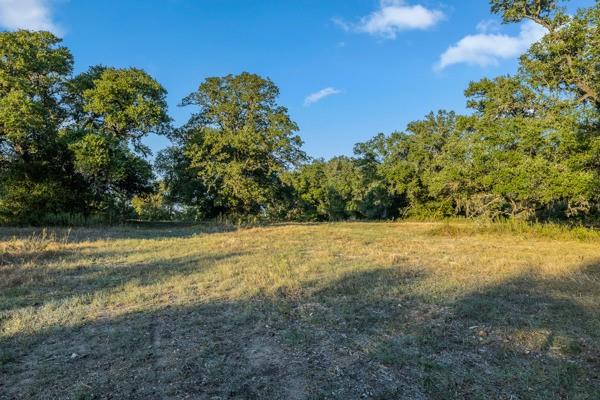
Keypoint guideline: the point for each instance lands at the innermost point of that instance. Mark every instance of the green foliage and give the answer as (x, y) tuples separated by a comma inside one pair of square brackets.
[(124, 103), (566, 59), (153, 206), (326, 190), (541, 11), (239, 142), (181, 185), (112, 171), (36, 174), (33, 69), (537, 132), (113, 110), (71, 146), (530, 148), (340, 188)]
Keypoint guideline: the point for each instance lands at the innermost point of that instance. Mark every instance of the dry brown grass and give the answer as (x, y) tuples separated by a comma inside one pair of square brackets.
[(379, 310)]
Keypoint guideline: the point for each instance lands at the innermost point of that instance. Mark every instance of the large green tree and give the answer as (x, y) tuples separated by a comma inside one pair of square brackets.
[(538, 131), (528, 150), (36, 169), (240, 142), (71, 145)]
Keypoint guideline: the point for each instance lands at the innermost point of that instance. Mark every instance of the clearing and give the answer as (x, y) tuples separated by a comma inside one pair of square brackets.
[(307, 311)]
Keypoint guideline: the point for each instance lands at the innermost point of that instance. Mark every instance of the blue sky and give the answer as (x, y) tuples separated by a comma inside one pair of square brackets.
[(347, 69)]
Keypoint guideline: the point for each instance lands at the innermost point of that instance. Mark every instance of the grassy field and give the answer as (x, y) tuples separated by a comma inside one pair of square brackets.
[(323, 311)]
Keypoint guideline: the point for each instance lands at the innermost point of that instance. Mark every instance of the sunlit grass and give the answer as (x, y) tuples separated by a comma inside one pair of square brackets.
[(445, 300)]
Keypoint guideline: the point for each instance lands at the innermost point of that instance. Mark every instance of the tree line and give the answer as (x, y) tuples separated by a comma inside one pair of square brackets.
[(71, 147)]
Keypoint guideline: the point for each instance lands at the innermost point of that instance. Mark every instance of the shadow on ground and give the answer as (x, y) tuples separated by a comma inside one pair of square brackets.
[(366, 335)]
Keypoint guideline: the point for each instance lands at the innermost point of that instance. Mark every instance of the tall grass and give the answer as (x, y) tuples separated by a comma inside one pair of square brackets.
[(32, 247), (515, 227)]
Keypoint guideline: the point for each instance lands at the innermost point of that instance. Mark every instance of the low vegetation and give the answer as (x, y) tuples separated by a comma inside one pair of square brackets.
[(413, 310)]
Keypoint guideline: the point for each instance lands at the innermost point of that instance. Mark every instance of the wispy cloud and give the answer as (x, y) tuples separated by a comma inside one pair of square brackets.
[(485, 48), (27, 14), (393, 16), (320, 95), (488, 26)]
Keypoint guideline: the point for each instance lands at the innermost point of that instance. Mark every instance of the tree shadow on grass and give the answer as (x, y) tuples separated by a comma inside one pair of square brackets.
[(530, 337), (282, 346), (364, 335)]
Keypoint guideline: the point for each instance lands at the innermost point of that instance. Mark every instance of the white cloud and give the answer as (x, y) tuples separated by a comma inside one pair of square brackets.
[(488, 26), (320, 95), (392, 17), (27, 14), (485, 49)]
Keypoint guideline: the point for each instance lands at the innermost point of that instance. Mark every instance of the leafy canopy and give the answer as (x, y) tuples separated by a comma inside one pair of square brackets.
[(240, 141)]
